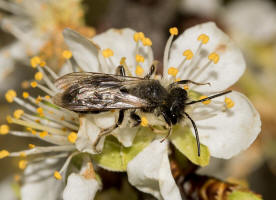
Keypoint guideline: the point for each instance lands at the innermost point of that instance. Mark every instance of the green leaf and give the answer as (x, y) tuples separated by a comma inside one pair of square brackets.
[(243, 195), (115, 156), (184, 140)]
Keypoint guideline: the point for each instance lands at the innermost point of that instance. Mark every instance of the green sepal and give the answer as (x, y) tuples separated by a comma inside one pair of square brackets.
[(184, 140), (243, 195), (115, 156)]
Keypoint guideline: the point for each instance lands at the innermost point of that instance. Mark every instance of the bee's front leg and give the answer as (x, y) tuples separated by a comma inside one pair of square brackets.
[(121, 70), (107, 131)]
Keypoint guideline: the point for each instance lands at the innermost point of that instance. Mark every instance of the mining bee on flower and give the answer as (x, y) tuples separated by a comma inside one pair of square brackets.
[(90, 92)]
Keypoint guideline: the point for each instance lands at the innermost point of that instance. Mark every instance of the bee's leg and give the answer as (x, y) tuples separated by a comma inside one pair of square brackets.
[(107, 131), (121, 70), (136, 118), (151, 72), (186, 82), (169, 123), (196, 133), (158, 131), (168, 135)]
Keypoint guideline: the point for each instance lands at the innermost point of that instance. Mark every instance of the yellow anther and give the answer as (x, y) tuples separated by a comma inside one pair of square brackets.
[(228, 102), (38, 76), (42, 63), (188, 54), (138, 36), (43, 134), (205, 102), (173, 31), (25, 95), (31, 146), (203, 38), (139, 70), (139, 58), (38, 99), (4, 153), (9, 119), (146, 41), (10, 95), (67, 54), (40, 111), (35, 61), (47, 97), (172, 71), (123, 61), (22, 164), (34, 84), (31, 130), (186, 87), (18, 113), (4, 129), (214, 57), (144, 121), (57, 175), (107, 53), (22, 154), (72, 137)]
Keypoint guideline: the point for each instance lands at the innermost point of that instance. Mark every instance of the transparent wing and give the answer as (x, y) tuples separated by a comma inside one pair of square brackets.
[(89, 92)]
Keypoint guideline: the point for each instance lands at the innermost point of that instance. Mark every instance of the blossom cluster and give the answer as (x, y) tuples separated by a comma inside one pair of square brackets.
[(203, 53)]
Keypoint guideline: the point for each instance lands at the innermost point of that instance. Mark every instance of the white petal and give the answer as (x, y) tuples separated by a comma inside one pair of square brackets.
[(126, 133), (222, 75), (6, 190), (121, 42), (78, 187), (65, 69), (227, 132), (89, 130), (84, 51), (40, 182), (150, 172)]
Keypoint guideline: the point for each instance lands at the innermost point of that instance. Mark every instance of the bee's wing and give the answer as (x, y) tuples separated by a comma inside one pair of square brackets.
[(95, 79), (88, 92)]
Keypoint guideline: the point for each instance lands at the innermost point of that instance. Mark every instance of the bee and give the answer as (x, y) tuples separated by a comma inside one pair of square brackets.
[(90, 92)]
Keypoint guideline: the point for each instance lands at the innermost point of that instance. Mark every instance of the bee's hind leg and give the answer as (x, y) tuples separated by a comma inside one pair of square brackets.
[(151, 72), (107, 131)]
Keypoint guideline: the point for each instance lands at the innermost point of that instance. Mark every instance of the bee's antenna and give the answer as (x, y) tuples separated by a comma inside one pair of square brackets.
[(208, 98), (196, 133)]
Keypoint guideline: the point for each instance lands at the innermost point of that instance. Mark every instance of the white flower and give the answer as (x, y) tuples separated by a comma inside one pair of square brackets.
[(6, 189), (227, 124), (58, 128), (37, 26)]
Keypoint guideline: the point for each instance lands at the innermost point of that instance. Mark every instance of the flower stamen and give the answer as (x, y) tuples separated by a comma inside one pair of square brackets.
[(205, 102), (4, 129), (173, 31), (139, 70), (229, 103), (144, 121)]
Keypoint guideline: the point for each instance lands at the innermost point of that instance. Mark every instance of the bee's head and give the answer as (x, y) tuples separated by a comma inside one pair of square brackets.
[(176, 103)]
